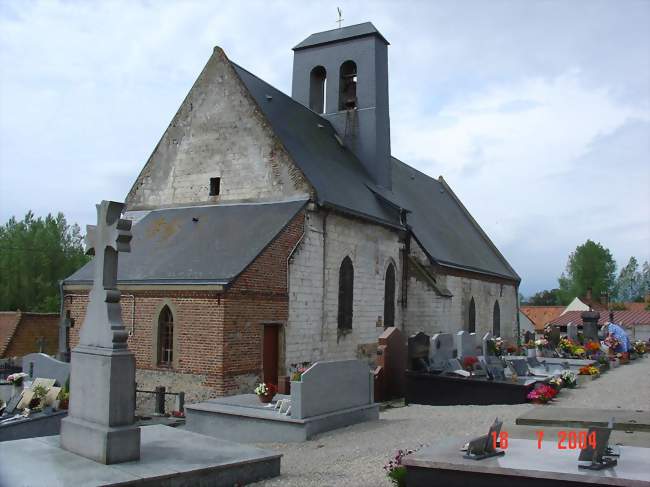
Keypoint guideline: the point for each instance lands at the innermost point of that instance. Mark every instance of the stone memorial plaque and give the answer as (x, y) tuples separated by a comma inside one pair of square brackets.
[(12, 404), (441, 349), (52, 394), (496, 372), (26, 398), (483, 446), (47, 383), (596, 455), (520, 366), (465, 344)]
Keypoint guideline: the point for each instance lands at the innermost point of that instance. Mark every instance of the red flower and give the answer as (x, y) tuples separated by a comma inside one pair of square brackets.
[(468, 362)]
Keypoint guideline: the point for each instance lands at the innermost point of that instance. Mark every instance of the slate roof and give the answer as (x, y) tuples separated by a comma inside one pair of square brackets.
[(626, 318), (169, 247), (334, 35), (436, 217)]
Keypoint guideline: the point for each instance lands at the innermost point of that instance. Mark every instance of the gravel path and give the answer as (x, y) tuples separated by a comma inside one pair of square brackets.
[(354, 456)]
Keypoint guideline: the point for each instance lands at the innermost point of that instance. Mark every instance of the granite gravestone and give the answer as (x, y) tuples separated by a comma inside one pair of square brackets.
[(418, 352), (466, 344), (520, 366), (331, 386), (101, 418), (41, 365), (554, 337), (590, 325), (572, 332), (441, 350), (391, 357)]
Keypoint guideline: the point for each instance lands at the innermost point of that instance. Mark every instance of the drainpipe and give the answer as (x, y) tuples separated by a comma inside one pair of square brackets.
[(323, 318), (62, 352), (518, 323)]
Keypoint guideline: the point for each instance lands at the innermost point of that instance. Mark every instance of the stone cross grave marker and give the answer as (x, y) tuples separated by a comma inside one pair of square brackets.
[(465, 344), (590, 325), (572, 332), (441, 350), (101, 419), (487, 348)]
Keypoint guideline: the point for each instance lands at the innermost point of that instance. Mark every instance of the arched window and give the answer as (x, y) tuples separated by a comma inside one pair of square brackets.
[(317, 84), (471, 324), (165, 337), (496, 320), (346, 294), (348, 86), (389, 297)]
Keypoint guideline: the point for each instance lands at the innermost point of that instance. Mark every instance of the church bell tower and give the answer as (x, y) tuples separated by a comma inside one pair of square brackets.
[(342, 74)]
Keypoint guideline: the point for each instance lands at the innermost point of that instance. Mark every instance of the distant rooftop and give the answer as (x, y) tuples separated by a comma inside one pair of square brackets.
[(334, 35)]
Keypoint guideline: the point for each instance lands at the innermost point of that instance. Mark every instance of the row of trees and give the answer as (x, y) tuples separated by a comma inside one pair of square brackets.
[(591, 266), (35, 254)]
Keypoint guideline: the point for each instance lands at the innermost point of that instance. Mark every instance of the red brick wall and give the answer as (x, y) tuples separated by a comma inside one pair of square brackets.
[(31, 327), (219, 334)]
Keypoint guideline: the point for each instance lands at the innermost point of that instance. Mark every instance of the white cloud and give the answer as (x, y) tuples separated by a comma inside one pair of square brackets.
[(516, 104)]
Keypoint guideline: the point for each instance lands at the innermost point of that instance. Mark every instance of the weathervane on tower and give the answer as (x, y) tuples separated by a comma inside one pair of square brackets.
[(340, 16)]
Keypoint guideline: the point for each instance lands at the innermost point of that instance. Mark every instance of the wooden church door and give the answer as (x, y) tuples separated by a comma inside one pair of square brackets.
[(270, 354)]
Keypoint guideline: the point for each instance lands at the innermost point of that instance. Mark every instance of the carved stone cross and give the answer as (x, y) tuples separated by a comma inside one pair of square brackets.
[(103, 325)]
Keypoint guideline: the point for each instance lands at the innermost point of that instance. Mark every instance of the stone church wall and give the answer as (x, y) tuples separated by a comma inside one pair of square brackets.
[(429, 312), (217, 132), (312, 332)]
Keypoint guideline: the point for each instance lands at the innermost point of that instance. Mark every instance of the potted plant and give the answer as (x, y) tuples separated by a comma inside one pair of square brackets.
[(569, 379), (540, 344), (265, 392), (530, 349)]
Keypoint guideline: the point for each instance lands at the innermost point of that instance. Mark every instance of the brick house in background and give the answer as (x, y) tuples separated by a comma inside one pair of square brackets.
[(22, 333), (271, 230)]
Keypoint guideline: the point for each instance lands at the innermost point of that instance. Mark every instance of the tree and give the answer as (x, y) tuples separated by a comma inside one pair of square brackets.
[(590, 266), (35, 254), (629, 285), (545, 298)]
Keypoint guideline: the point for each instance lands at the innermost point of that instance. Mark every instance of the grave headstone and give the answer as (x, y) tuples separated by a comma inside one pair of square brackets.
[(101, 418), (418, 351), (466, 344), (391, 356), (520, 366), (441, 350), (496, 372), (554, 337), (487, 346), (572, 332), (590, 325), (41, 365), (331, 386), (528, 336)]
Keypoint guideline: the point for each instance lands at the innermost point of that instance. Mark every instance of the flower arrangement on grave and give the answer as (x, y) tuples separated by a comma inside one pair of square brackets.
[(64, 395), (497, 346), (569, 379), (296, 371), (639, 347), (567, 346), (265, 391), (589, 370), (395, 471), (529, 345), (541, 343), (547, 332), (17, 378), (511, 349), (468, 362), (542, 394), (38, 399), (592, 347), (556, 382)]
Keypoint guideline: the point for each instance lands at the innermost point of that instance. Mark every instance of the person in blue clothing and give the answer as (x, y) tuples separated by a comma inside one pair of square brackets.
[(617, 332)]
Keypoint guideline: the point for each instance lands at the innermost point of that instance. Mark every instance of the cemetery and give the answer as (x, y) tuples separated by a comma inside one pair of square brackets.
[(268, 229)]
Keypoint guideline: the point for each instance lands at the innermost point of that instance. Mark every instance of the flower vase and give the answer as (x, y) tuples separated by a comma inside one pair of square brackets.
[(531, 352), (266, 398), (539, 353)]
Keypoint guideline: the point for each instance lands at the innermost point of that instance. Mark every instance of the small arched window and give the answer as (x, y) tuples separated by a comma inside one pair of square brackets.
[(496, 320), (471, 323), (389, 297), (317, 85), (348, 86), (165, 337), (346, 294)]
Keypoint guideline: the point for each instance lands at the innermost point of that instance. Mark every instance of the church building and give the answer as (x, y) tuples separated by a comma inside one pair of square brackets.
[(272, 230)]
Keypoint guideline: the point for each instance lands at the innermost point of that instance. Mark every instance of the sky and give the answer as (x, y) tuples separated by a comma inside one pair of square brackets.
[(537, 113)]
